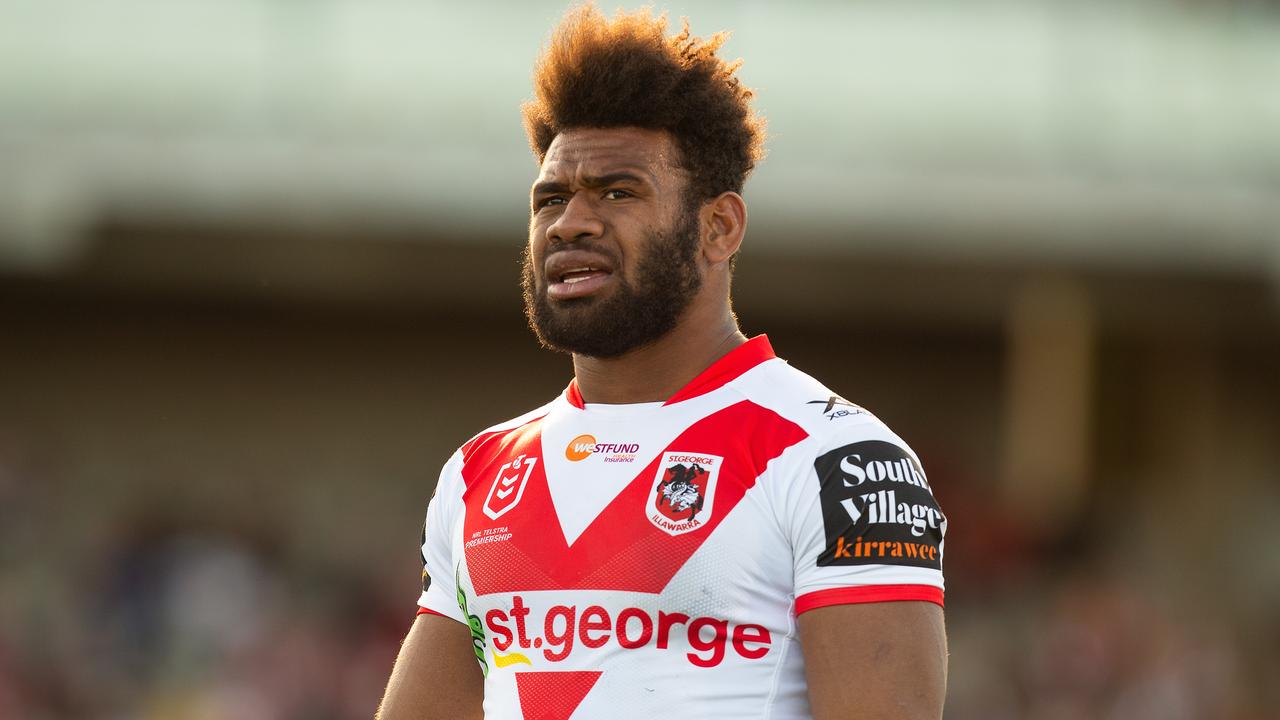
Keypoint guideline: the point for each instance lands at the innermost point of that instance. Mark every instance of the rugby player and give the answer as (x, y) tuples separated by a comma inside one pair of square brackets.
[(693, 529)]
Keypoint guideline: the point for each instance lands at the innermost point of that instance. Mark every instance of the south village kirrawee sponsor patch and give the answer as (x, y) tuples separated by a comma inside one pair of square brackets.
[(878, 508)]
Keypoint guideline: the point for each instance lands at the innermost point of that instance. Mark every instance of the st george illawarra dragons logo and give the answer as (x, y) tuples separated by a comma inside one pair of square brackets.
[(680, 500)]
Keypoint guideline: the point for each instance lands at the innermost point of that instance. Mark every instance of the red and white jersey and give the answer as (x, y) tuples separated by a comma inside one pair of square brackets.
[(650, 560)]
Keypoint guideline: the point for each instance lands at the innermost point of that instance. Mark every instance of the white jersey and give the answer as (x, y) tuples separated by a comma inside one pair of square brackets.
[(650, 560)]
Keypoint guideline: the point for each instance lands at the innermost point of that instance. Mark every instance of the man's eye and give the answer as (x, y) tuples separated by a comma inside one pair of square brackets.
[(617, 194), (544, 202)]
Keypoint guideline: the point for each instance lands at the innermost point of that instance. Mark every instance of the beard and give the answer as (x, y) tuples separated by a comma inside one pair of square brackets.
[(631, 316)]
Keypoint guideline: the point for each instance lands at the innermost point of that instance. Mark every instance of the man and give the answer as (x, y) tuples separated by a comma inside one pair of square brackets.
[(694, 529)]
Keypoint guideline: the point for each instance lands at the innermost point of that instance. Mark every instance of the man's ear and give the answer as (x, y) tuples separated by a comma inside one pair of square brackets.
[(724, 223)]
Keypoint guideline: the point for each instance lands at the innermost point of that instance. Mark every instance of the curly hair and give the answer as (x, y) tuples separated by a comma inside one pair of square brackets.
[(626, 72)]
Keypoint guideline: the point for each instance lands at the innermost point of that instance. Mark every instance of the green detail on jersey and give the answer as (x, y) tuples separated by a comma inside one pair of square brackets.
[(477, 630)]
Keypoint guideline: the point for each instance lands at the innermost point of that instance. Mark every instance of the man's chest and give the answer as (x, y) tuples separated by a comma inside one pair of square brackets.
[(582, 505), (581, 551), (587, 551)]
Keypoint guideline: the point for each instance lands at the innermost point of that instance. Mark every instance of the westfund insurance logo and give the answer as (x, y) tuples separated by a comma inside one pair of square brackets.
[(877, 508), (583, 446)]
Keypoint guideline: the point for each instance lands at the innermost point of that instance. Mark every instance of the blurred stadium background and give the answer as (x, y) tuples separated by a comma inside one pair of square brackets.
[(258, 264)]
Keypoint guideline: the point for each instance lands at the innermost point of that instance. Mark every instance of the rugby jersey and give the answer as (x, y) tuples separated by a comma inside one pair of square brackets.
[(646, 560)]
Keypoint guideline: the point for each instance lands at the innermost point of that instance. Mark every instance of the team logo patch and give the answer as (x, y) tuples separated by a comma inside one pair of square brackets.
[(508, 486), (683, 490), (878, 508)]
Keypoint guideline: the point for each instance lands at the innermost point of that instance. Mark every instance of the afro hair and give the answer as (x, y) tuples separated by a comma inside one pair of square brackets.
[(626, 72)]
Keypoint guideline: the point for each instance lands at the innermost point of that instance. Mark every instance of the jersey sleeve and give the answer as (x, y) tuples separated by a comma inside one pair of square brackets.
[(439, 590), (863, 522)]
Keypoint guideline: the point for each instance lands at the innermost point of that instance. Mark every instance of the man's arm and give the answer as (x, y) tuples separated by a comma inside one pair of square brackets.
[(436, 676), (875, 661)]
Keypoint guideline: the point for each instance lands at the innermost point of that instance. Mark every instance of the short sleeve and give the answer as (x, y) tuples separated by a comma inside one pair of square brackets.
[(863, 522), (439, 589)]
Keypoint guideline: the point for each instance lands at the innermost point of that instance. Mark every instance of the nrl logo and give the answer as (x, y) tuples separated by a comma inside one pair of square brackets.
[(680, 499), (508, 486)]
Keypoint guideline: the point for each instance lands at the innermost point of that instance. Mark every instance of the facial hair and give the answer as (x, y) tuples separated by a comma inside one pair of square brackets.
[(631, 316)]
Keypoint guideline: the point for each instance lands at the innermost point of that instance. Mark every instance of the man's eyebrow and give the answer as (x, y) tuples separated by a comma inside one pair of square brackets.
[(591, 181), (547, 187), (613, 178)]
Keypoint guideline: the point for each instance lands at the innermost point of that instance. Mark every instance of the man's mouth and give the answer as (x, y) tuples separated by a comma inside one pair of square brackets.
[(577, 275), (570, 278), (578, 282)]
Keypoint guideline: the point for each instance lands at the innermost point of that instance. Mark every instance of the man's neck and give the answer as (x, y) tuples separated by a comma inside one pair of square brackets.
[(657, 371)]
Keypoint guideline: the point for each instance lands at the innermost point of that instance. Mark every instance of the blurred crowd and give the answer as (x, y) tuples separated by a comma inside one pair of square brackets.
[(198, 619), (173, 623)]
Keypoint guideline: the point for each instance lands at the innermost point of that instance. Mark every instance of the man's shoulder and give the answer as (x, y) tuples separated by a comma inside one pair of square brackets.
[(835, 427), (801, 398)]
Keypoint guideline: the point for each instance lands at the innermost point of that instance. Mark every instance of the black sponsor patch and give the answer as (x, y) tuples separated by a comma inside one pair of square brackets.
[(877, 508)]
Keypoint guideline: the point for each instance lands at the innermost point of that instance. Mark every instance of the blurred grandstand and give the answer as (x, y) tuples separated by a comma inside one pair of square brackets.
[(258, 264)]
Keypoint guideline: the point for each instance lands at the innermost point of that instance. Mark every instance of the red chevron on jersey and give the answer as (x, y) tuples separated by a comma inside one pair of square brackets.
[(624, 548), (553, 695)]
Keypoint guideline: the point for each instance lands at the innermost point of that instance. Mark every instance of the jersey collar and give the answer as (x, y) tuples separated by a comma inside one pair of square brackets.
[(736, 362)]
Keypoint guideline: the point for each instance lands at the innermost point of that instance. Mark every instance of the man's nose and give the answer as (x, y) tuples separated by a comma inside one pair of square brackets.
[(578, 220)]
